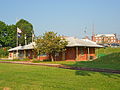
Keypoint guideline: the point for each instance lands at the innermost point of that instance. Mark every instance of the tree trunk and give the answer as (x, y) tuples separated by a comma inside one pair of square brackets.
[(52, 58)]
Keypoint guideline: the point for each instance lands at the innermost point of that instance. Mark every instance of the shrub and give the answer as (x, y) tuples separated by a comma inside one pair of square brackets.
[(4, 52)]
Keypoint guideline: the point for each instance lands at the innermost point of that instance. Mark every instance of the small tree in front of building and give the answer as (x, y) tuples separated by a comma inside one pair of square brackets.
[(50, 43)]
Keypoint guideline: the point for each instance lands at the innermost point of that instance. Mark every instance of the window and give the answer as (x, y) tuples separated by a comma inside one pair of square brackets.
[(20, 54), (81, 51), (43, 55), (56, 54)]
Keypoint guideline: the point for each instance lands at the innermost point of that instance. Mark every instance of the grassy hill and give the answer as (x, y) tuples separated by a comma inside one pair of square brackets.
[(110, 61), (108, 50)]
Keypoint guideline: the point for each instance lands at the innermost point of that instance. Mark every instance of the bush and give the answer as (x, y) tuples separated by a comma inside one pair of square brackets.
[(4, 52), (26, 59), (38, 61)]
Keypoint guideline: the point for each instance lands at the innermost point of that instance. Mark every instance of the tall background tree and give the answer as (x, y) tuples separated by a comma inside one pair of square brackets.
[(7, 35), (10, 36), (50, 43), (2, 30), (27, 30)]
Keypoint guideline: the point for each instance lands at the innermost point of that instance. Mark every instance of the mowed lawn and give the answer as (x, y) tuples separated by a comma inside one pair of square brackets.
[(31, 77)]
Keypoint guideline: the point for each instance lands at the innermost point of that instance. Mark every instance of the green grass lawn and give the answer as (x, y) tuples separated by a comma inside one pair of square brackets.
[(110, 61), (30, 77), (107, 50)]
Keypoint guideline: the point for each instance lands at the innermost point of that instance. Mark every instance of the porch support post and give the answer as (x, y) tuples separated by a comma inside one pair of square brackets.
[(88, 53), (17, 54), (63, 55), (76, 53), (13, 55), (24, 54)]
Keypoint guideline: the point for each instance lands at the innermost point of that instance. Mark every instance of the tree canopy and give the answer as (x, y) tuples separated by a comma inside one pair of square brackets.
[(8, 33), (2, 30), (27, 29), (50, 43)]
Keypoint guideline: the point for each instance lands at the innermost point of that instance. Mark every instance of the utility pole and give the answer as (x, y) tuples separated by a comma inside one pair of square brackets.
[(16, 41), (93, 34), (17, 46), (32, 37), (25, 40), (93, 28)]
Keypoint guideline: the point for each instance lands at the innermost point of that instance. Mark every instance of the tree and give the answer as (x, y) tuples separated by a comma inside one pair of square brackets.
[(50, 44), (27, 30), (11, 36), (2, 30), (7, 35)]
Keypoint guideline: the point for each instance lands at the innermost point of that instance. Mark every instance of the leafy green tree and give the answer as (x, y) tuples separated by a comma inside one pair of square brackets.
[(7, 35), (2, 30), (11, 36), (4, 52), (27, 30), (49, 43)]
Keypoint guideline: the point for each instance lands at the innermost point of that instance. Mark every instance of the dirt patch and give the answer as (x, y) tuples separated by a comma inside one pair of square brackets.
[(6, 88)]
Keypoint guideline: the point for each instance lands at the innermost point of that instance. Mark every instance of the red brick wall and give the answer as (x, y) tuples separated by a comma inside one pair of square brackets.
[(58, 57), (92, 52), (82, 57), (43, 57), (70, 53), (82, 54)]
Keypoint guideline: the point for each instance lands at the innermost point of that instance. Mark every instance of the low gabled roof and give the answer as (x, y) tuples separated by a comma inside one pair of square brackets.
[(25, 47), (15, 48), (72, 42), (30, 46)]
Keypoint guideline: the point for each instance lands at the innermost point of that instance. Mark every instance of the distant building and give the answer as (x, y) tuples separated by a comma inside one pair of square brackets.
[(104, 38)]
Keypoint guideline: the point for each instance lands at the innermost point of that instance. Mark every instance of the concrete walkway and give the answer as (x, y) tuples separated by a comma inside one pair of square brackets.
[(63, 66)]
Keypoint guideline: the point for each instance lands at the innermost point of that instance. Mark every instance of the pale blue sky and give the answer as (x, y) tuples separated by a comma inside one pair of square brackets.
[(66, 17)]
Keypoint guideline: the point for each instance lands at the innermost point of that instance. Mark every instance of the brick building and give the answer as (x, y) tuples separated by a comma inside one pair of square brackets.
[(77, 49), (104, 38)]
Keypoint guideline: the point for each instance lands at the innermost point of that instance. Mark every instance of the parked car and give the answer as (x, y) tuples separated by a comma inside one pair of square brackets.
[(114, 45), (105, 45)]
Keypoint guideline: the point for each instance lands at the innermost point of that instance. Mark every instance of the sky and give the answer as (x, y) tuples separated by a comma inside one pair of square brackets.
[(65, 17)]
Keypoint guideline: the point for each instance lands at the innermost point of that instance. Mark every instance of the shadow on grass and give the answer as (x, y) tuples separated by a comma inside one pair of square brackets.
[(82, 73), (90, 73), (111, 61)]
